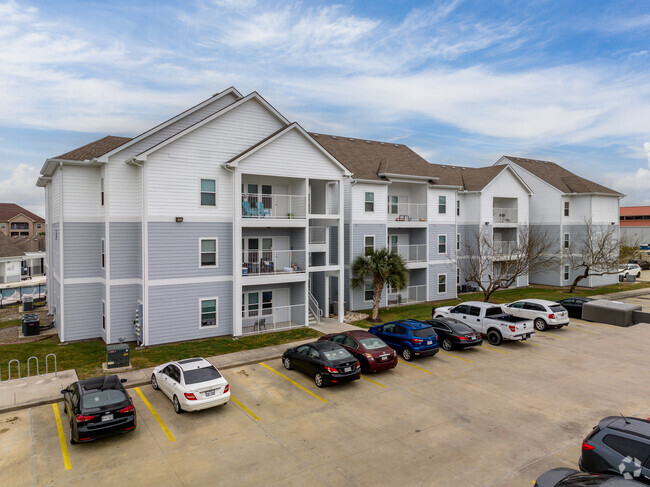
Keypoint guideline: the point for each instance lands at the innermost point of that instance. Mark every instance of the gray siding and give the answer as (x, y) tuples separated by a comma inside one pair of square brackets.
[(359, 231), (174, 311), (468, 236), (450, 271), (126, 250), (334, 245), (54, 300), (54, 249), (174, 249), (318, 288), (82, 249), (83, 311), (346, 244), (124, 300), (450, 232)]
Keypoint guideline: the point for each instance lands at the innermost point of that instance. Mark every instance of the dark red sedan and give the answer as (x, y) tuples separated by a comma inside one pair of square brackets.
[(373, 354)]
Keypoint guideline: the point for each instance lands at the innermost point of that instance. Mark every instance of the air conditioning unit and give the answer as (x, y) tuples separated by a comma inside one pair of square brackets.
[(117, 356)]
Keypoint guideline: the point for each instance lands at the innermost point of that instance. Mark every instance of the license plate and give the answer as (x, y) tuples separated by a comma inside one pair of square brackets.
[(107, 417), (209, 393), (429, 342), (384, 357), (347, 369)]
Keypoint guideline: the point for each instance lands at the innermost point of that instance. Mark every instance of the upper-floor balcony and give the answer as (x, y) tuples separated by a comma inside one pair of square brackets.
[(406, 212), (273, 262), (411, 253), (504, 215), (505, 247), (273, 206)]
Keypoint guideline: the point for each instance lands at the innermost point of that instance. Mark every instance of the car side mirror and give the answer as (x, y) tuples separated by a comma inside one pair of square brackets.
[(63, 391), (122, 381)]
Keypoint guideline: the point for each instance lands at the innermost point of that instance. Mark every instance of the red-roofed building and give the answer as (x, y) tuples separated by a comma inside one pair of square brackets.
[(17, 221), (635, 224)]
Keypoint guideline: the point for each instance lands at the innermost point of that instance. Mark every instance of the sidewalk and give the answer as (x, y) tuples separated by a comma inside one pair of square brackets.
[(37, 391)]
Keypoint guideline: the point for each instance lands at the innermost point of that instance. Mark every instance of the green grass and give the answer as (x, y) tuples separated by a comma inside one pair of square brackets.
[(422, 311), (7, 324), (87, 357)]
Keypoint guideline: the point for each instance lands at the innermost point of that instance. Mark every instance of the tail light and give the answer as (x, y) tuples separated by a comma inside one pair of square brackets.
[(461, 337), (358, 365), (331, 369), (551, 316), (127, 409), (226, 389), (586, 446), (368, 356), (513, 328), (81, 417), (417, 341), (190, 396)]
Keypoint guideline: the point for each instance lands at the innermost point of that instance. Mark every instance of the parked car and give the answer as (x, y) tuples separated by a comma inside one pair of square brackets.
[(411, 338), (643, 264), (625, 270), (568, 477), (489, 320), (327, 362), (371, 351), (618, 445), (574, 305), (455, 334), (545, 314), (97, 408), (192, 384)]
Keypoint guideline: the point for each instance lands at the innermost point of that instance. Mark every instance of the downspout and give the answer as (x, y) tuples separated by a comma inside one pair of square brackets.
[(60, 317)]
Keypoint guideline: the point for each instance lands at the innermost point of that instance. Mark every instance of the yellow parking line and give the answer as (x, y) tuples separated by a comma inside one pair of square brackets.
[(293, 382), (155, 414), (553, 335), (254, 416), (534, 344), (492, 349), (415, 367), (459, 358), (374, 382), (64, 446), (583, 331)]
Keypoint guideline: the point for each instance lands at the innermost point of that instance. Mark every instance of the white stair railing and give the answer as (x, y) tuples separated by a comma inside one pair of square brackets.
[(313, 307)]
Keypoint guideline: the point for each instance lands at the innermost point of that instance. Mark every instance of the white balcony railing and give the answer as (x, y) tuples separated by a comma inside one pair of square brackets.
[(409, 212), (263, 262), (411, 253), (506, 247), (317, 235), (409, 295), (287, 206), (273, 318), (504, 215)]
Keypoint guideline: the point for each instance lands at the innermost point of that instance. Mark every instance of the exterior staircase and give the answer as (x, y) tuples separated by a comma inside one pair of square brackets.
[(312, 319)]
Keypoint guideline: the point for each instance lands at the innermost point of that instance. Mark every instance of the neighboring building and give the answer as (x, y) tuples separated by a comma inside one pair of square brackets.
[(635, 224), (17, 221), (21, 257)]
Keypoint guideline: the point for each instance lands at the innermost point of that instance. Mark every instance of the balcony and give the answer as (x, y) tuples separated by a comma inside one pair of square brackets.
[(409, 295), (273, 262), (505, 247), (273, 206), (504, 215), (270, 319), (407, 212), (411, 253)]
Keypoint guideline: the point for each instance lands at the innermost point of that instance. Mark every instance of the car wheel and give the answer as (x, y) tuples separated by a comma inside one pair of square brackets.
[(72, 441), (540, 324), (494, 337), (638, 275), (154, 382), (318, 380), (287, 363), (177, 406), (446, 344), (407, 354)]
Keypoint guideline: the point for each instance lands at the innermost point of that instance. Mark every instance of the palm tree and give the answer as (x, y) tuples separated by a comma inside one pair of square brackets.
[(381, 267)]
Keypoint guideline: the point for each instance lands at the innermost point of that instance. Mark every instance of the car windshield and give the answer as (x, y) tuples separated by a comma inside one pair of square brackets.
[(203, 374), (372, 343), (558, 308), (424, 332), (459, 326), (494, 311), (334, 355), (101, 399)]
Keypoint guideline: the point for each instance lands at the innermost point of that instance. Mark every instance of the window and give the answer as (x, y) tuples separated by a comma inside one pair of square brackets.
[(208, 192), (367, 291), (103, 254), (393, 205), (3, 225), (457, 275), (566, 208), (566, 272), (442, 283), (457, 207), (566, 241), (368, 244), (208, 252), (627, 446), (442, 204), (101, 191), (370, 202), (208, 312), (103, 315), (393, 243), (38, 225), (250, 304), (20, 226), (442, 244), (458, 241)]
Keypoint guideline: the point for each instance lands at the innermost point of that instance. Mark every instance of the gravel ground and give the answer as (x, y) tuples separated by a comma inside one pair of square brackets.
[(10, 334)]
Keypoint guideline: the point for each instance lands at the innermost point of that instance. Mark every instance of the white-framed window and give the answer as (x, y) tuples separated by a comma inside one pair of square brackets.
[(369, 202), (566, 208), (208, 192), (393, 205), (208, 251), (257, 303), (368, 244), (103, 253), (3, 225), (101, 191), (442, 204), (38, 225), (457, 207), (442, 283), (209, 311), (566, 273), (442, 244), (103, 315), (393, 243), (458, 241), (567, 242), (457, 275), (367, 291)]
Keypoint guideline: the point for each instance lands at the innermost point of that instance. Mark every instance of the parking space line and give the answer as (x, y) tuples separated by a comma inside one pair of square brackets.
[(534, 344), (64, 446), (552, 335), (252, 415), (492, 349), (588, 323), (455, 356), (415, 367), (155, 415), (583, 331), (374, 382), (293, 382)]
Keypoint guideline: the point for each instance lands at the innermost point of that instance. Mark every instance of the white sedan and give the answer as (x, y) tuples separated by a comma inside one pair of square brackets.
[(191, 384)]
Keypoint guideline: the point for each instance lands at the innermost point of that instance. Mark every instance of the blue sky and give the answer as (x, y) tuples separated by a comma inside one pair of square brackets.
[(461, 82)]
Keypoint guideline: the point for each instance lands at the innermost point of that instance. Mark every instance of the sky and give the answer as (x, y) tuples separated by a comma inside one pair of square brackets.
[(460, 82)]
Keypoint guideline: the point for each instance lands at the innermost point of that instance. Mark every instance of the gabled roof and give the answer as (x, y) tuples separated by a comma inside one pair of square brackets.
[(10, 210), (560, 178), (30, 244), (466, 178), (8, 247), (95, 149)]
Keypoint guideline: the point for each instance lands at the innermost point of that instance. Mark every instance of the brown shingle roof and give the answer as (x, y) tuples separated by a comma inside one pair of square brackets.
[(10, 210), (559, 177), (30, 244), (94, 149), (8, 247)]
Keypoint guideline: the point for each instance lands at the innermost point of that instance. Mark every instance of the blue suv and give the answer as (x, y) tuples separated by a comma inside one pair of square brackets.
[(411, 338)]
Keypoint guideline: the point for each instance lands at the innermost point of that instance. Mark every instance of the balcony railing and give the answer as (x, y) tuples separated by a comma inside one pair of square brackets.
[(287, 206), (505, 247), (407, 212), (409, 295), (504, 215), (317, 235), (263, 262), (270, 319), (411, 253)]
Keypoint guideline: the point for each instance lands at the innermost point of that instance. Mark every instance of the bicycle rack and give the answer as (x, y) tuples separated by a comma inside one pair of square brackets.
[(29, 361)]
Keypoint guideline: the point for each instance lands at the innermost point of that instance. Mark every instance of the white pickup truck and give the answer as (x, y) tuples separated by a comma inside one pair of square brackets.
[(489, 320)]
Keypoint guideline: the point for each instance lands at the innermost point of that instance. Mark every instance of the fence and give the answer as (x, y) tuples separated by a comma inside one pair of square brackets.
[(273, 319), (12, 295), (256, 262), (411, 253), (409, 295), (29, 361), (255, 205), (407, 212)]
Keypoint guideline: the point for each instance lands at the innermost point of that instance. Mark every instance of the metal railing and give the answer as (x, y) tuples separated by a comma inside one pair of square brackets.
[(314, 308), (407, 212), (409, 295), (317, 235), (262, 262), (286, 206), (29, 361), (504, 215), (505, 247), (268, 320), (411, 253)]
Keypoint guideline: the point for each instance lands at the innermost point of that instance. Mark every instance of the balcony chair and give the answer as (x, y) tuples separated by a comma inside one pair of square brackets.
[(261, 211), (248, 211)]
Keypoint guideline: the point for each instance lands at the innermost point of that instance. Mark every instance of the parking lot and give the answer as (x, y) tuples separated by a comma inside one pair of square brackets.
[(487, 416)]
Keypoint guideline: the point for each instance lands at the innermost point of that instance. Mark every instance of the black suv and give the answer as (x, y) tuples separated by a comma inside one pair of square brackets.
[(568, 477), (618, 445)]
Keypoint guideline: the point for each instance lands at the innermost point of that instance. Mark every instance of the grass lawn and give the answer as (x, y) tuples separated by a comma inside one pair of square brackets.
[(7, 324), (87, 357), (422, 311)]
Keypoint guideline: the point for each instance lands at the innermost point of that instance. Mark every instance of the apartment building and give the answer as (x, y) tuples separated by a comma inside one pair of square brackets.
[(16, 221), (635, 224), (224, 220)]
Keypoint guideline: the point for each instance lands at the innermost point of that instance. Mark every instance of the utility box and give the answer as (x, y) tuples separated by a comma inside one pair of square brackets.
[(610, 312), (28, 303), (117, 356), (31, 324)]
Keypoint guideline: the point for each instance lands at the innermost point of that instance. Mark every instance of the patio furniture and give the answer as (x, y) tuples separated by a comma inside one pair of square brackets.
[(248, 211), (261, 211)]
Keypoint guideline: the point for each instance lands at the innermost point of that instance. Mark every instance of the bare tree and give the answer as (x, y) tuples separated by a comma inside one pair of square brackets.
[(494, 265)]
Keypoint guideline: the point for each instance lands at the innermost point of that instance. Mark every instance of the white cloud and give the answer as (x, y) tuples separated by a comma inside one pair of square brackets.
[(634, 184), (20, 188)]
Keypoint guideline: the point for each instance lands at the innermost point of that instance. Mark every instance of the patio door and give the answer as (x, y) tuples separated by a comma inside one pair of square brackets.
[(393, 243)]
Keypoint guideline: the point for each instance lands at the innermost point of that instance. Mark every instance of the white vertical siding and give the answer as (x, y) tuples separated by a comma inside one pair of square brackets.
[(504, 185), (605, 209), (124, 190), (357, 197), (432, 206), (470, 210), (56, 188), (82, 193)]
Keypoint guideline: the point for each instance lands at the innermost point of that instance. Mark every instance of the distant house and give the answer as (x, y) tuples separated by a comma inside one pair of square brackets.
[(17, 221), (635, 224), (21, 257)]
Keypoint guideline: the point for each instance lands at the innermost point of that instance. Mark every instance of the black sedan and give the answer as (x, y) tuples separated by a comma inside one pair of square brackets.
[(455, 334), (327, 362), (568, 477), (97, 408), (574, 305)]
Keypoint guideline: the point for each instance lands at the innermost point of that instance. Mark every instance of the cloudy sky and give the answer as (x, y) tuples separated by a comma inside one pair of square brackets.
[(461, 82)]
